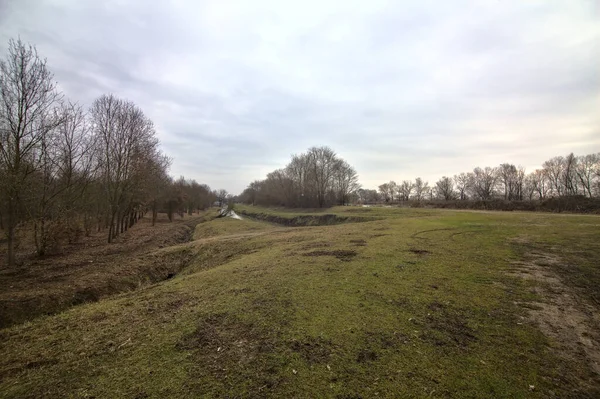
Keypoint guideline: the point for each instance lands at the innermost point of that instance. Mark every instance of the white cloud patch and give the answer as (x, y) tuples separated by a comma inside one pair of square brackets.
[(399, 89)]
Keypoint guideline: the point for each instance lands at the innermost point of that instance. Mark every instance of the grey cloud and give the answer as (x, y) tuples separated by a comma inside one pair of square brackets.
[(403, 89)]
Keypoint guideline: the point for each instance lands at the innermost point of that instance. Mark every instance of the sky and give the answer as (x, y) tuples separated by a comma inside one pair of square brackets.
[(399, 89)]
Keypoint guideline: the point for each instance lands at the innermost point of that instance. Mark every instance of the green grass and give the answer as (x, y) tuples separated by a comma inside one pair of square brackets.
[(226, 226), (418, 303)]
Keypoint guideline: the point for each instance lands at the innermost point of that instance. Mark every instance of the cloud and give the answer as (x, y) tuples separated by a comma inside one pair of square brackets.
[(399, 89)]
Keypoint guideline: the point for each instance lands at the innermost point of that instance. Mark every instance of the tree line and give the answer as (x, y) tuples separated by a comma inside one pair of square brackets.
[(560, 176), (314, 179), (66, 172), (319, 178)]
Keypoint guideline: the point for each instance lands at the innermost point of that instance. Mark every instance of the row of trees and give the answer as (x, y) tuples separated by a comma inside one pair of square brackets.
[(66, 172), (560, 176), (188, 196), (319, 178), (316, 178)]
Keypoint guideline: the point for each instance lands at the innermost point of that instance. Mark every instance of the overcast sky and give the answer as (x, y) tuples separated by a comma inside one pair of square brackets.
[(399, 89)]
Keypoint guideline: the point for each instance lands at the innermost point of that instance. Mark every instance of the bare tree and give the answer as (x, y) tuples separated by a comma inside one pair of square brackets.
[(405, 190), (570, 175), (298, 172), (445, 188), (196, 196), (529, 188), (253, 191), (66, 166), (541, 183), (384, 190), (126, 144), (421, 189), (596, 184), (587, 167), (322, 161), (554, 170), (519, 182), (462, 181), (283, 186), (366, 196), (507, 176), (393, 189), (28, 97), (221, 196), (345, 181), (158, 184), (316, 178), (484, 182)]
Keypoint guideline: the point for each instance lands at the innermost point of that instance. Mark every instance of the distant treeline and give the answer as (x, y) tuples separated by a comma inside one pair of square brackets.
[(319, 178), (574, 204), (65, 172), (559, 177), (316, 178)]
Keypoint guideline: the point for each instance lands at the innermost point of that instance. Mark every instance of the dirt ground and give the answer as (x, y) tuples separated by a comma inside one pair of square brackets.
[(567, 318), (91, 269)]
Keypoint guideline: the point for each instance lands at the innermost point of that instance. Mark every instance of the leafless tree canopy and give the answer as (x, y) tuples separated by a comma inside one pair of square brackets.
[(28, 102), (445, 188), (65, 172), (319, 178), (559, 177), (405, 190), (316, 178)]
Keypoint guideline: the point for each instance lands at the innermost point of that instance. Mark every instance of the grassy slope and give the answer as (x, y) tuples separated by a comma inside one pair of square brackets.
[(349, 310), (90, 269)]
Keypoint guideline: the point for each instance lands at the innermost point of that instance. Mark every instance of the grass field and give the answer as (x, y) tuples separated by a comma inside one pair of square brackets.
[(380, 302)]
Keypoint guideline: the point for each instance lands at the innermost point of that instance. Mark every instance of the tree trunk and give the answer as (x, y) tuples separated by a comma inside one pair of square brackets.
[(11, 224), (111, 228), (154, 213), (40, 236), (11, 246), (87, 224)]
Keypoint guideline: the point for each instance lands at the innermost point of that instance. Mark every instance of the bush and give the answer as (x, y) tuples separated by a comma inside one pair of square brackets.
[(574, 204)]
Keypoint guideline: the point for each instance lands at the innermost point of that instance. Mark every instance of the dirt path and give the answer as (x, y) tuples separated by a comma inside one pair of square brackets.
[(570, 321)]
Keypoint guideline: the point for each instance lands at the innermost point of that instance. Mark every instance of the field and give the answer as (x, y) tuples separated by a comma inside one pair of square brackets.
[(347, 302)]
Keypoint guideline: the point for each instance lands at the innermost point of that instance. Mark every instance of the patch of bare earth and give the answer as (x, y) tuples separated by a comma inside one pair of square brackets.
[(345, 255), (90, 268), (570, 321)]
